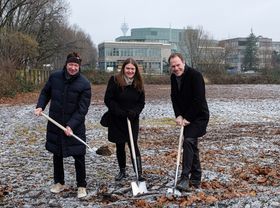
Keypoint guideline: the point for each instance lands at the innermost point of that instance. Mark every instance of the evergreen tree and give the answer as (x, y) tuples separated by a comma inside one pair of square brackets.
[(250, 61)]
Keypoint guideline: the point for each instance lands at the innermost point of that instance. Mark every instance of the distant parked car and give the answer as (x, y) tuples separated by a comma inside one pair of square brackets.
[(48, 66), (249, 72)]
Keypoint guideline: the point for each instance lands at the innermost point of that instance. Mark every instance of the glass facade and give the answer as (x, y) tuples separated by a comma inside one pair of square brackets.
[(160, 35), (144, 52), (149, 56)]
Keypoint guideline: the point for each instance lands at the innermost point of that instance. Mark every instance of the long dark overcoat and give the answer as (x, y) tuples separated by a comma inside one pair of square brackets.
[(190, 102), (69, 103), (119, 101)]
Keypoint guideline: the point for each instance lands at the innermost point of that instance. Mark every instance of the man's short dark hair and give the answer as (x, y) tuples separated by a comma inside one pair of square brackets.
[(173, 55)]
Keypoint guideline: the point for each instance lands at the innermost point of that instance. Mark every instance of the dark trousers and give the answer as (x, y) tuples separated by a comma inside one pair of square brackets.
[(191, 161), (79, 167), (121, 155)]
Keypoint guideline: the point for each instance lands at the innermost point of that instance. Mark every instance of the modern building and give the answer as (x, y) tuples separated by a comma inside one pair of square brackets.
[(152, 46), (152, 34), (276, 46), (176, 37), (235, 52), (151, 57)]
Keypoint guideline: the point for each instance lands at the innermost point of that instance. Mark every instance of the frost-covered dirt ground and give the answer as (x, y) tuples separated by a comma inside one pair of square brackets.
[(239, 154)]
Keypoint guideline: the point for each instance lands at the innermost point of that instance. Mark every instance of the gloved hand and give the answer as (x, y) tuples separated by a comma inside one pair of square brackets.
[(131, 114)]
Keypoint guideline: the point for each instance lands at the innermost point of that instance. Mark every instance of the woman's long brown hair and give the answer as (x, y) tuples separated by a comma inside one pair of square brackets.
[(137, 82)]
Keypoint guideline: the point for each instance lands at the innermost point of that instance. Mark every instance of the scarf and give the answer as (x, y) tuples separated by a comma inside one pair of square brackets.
[(128, 81)]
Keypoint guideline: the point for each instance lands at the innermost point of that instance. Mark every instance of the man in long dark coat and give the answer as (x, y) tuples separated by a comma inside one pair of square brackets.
[(70, 95), (191, 110)]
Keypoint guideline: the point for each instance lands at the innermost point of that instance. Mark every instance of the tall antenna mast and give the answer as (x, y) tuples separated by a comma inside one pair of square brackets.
[(124, 28)]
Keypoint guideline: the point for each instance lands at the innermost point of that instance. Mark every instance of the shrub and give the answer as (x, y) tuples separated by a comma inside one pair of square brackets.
[(156, 79), (265, 76), (97, 76), (101, 77), (7, 79)]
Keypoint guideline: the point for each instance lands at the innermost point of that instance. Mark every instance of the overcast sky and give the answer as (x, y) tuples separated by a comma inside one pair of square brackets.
[(221, 19)]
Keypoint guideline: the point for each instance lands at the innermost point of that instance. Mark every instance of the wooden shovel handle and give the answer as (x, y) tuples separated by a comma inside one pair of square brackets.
[(63, 128)]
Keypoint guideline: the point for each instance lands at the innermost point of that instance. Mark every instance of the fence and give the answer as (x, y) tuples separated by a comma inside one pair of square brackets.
[(14, 81), (34, 76)]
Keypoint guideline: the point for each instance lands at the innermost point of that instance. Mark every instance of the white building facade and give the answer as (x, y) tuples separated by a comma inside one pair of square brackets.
[(151, 57)]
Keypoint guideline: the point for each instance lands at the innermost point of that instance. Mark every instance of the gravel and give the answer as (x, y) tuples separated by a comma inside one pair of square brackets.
[(243, 137)]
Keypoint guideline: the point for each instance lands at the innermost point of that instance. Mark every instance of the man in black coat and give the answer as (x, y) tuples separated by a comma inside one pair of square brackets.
[(70, 96), (191, 110)]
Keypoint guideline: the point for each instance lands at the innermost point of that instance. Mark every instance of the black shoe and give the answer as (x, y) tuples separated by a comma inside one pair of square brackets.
[(183, 184), (195, 184), (121, 175)]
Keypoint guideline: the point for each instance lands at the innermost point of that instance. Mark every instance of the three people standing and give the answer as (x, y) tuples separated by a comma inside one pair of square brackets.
[(70, 95)]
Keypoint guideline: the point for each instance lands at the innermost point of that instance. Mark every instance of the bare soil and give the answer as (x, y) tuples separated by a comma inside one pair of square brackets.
[(239, 154)]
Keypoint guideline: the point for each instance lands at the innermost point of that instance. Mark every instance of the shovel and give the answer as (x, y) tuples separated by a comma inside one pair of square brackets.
[(138, 187), (173, 190), (63, 128)]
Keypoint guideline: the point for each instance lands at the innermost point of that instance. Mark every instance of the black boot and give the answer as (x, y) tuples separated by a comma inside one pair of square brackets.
[(121, 175), (139, 167)]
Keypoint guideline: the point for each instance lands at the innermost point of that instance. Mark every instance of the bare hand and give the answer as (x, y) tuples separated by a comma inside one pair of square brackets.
[(179, 120), (185, 122), (68, 131), (38, 111)]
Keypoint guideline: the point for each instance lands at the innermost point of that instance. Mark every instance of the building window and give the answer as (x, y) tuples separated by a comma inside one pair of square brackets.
[(108, 52), (242, 43), (115, 52), (154, 33)]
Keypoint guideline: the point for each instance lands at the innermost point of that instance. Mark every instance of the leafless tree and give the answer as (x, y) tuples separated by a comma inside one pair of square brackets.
[(17, 48), (201, 51), (192, 43), (73, 39), (8, 9), (45, 22), (212, 59)]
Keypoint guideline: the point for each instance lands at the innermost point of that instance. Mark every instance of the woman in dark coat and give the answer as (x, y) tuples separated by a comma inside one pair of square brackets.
[(70, 95), (125, 98)]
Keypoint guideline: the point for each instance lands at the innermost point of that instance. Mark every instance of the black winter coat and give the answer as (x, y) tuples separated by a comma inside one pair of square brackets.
[(190, 102), (119, 101), (70, 100)]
